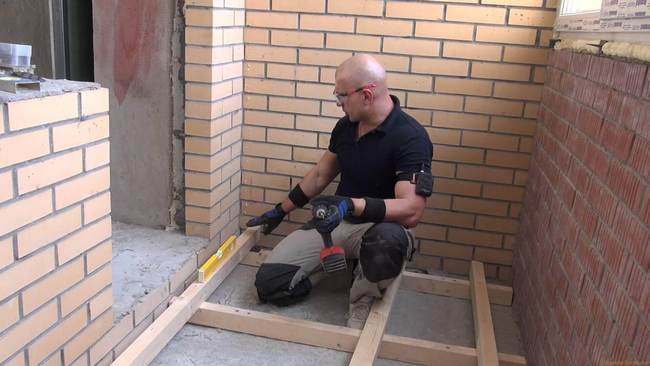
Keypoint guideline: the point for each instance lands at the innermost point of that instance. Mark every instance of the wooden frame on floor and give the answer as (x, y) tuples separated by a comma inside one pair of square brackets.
[(366, 344)]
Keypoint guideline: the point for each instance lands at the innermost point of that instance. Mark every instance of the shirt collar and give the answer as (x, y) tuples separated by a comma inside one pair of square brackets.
[(392, 117)]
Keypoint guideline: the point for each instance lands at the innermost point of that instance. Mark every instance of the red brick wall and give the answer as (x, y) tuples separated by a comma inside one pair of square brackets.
[(581, 267)]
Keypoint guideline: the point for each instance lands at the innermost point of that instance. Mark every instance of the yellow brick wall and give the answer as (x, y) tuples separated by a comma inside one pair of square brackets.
[(214, 53), (471, 73), (55, 228)]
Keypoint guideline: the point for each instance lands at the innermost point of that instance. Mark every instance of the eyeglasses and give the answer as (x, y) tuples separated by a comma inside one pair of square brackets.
[(341, 96)]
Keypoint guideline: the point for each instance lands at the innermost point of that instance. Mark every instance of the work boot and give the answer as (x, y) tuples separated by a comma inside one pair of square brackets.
[(359, 311)]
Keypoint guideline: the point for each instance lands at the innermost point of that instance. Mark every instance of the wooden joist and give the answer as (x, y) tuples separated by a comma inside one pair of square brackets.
[(486, 347), (405, 349), (373, 330), (145, 348)]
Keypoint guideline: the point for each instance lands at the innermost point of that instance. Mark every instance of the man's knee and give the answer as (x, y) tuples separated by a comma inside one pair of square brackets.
[(273, 283), (384, 247)]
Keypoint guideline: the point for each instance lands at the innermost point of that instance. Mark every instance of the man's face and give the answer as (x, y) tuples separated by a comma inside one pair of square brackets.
[(350, 99)]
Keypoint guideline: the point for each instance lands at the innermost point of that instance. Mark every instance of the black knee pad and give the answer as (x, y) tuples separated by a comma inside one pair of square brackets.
[(273, 280), (383, 250)]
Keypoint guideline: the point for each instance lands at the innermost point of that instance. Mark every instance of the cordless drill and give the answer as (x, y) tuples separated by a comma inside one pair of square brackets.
[(332, 257)]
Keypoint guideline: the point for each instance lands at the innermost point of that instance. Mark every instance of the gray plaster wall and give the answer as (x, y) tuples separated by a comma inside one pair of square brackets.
[(136, 51)]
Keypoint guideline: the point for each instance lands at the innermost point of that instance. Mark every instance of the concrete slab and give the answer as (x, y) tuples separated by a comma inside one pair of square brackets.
[(423, 316), (48, 87), (144, 259)]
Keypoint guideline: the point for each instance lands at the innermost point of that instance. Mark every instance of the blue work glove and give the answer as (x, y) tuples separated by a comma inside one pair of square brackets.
[(270, 219), (337, 208)]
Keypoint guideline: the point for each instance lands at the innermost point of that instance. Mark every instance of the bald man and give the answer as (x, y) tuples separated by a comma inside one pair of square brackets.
[(384, 158)]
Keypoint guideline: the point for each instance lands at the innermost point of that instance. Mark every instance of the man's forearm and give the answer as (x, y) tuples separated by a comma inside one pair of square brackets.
[(400, 210)]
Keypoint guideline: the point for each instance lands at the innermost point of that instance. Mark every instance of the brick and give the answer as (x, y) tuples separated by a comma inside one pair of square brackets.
[(97, 155), (91, 334), (209, 17), (474, 237), (208, 55), (266, 180), (525, 55), (207, 92), (324, 58), (493, 256), (94, 101), (45, 232), (616, 139), (258, 4), (267, 150), (409, 82), (447, 250), (268, 119), (271, 20), (457, 187), (6, 186), (432, 232), (517, 126), (232, 70), (256, 36), (28, 329), (83, 187), (80, 133), (531, 3), (53, 285), (472, 51), (47, 172), (294, 105), (484, 174), (267, 86), (56, 337), (475, 14), (37, 112), (507, 160), (457, 267), (390, 63), (462, 32), (85, 290), (12, 148), (97, 207), (271, 54), (98, 256), (439, 66), (480, 206), (434, 101), (331, 23), (297, 39), (203, 36), (361, 7), (291, 137), (500, 225), (464, 121), (627, 185), (207, 164), (292, 72), (503, 192), (639, 157), (310, 123), (255, 69), (24, 211), (314, 91), (147, 305), (384, 27), (26, 271), (412, 10), (490, 140), (518, 91), (463, 86), (315, 6), (203, 73), (411, 46), (9, 313), (500, 71), (288, 167), (493, 106), (530, 17), (2, 119), (353, 42), (444, 136), (509, 35), (6, 254), (458, 154), (83, 240)]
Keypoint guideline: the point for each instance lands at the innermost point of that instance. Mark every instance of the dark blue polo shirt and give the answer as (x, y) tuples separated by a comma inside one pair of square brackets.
[(369, 166)]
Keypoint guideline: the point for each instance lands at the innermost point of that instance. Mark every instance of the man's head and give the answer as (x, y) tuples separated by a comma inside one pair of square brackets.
[(360, 86)]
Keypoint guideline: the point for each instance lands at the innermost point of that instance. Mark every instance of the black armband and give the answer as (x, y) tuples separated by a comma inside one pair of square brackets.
[(375, 210), (298, 197)]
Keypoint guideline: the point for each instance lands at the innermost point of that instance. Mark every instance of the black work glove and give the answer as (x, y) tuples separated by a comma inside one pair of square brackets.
[(270, 219), (337, 208)]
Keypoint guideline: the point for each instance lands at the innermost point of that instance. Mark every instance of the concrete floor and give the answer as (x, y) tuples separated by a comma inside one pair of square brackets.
[(423, 316), (144, 259)]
